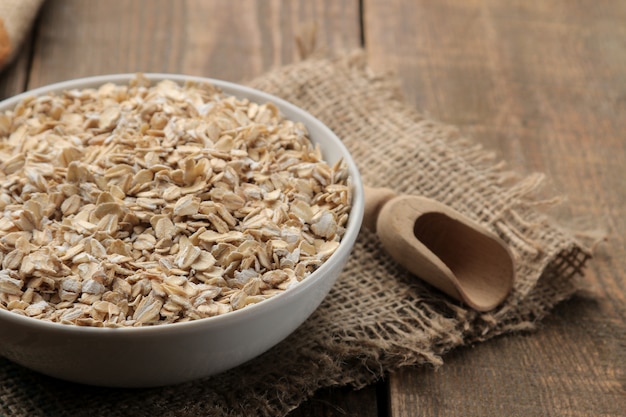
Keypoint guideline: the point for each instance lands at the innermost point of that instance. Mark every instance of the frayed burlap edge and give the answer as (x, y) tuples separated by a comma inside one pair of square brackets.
[(377, 318)]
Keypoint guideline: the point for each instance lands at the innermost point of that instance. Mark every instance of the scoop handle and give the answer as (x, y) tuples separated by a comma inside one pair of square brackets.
[(375, 199)]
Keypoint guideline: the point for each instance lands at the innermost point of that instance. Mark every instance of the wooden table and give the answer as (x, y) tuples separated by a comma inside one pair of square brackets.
[(541, 82)]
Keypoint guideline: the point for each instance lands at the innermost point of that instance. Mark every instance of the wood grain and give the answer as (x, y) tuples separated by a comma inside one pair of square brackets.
[(542, 83), (549, 372), (230, 40)]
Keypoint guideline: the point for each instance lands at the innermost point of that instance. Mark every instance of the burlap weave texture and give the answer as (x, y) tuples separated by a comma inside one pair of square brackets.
[(16, 18), (377, 318)]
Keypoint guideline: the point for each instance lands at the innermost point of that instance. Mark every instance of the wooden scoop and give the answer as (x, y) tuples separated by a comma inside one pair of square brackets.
[(441, 246)]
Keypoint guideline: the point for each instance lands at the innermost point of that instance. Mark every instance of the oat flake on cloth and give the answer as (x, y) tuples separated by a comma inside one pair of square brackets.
[(377, 318)]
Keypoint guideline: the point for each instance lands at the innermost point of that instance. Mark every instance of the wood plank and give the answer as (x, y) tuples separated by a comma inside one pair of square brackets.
[(232, 40), (542, 84), (545, 373)]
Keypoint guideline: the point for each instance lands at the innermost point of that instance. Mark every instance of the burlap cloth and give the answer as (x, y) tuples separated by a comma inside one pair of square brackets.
[(16, 17)]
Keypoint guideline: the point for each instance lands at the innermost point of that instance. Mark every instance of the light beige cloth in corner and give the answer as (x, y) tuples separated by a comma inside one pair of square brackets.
[(16, 18)]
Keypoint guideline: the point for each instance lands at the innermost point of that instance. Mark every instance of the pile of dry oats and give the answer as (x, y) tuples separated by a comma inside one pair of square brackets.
[(147, 204)]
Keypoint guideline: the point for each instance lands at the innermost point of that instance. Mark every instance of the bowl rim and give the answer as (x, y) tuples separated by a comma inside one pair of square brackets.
[(229, 88)]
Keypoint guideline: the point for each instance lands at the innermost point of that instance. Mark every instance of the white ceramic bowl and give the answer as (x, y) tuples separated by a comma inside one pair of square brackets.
[(174, 353)]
